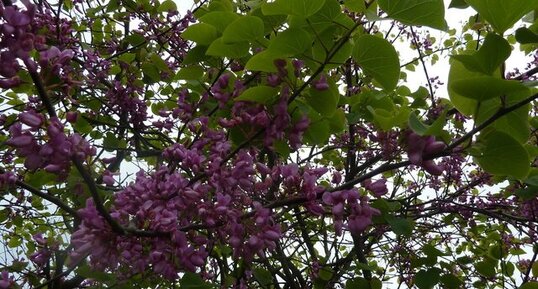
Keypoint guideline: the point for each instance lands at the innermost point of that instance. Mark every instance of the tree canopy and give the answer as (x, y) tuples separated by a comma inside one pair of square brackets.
[(268, 144)]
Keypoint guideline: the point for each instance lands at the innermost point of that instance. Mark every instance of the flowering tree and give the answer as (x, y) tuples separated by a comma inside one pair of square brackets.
[(277, 144)]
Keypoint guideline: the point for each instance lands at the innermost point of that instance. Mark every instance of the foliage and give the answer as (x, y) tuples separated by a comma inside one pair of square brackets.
[(268, 144)]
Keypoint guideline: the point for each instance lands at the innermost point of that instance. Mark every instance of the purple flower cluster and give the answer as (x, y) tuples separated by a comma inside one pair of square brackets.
[(17, 42), (420, 147), (53, 152), (359, 215), (7, 179), (6, 281)]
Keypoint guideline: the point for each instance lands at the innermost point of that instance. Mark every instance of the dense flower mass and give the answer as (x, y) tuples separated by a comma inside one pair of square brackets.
[(263, 144)]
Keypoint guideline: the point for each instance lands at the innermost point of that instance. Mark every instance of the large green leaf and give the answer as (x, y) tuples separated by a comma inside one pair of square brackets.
[(503, 14), (378, 58), (486, 87), (489, 58), (246, 28), (301, 8), (515, 123), (427, 279), (219, 19), (260, 94), (504, 155), (200, 33), (324, 101), (263, 61), (290, 42), (355, 5), (318, 133), (234, 50), (486, 269), (466, 106), (526, 36), (416, 12)]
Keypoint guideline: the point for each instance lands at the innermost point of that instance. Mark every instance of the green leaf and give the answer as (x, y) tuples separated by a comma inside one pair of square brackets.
[(200, 33), (460, 4), (526, 36), (451, 281), (325, 101), (378, 58), (486, 87), (290, 42), (263, 61), (195, 55), (489, 57), (221, 5), (302, 8), (515, 123), (529, 285), (458, 72), (318, 133), (355, 5), (234, 50), (427, 279), (503, 155), (503, 14), (82, 126), (166, 6), (400, 226), (357, 283), (246, 28), (193, 281), (219, 19), (263, 276), (416, 12), (430, 250), (338, 121), (191, 72), (259, 94), (86, 271), (151, 72), (486, 269), (528, 193), (416, 124)]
